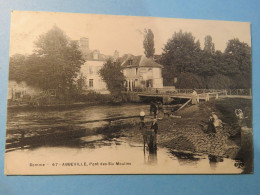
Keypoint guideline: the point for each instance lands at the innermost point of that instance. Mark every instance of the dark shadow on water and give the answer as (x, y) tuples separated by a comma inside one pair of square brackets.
[(186, 158), (214, 160)]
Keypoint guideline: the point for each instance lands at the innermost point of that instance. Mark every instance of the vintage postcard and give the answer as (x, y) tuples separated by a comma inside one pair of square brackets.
[(103, 94)]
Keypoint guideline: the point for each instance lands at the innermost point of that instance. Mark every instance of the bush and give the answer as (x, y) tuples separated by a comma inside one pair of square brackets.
[(94, 97), (189, 81), (219, 81)]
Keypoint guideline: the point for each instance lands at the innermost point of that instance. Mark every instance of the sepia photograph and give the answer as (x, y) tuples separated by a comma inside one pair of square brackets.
[(107, 94)]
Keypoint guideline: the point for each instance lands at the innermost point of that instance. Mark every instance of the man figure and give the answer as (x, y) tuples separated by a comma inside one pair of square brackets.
[(142, 127), (194, 97), (153, 109), (154, 126), (142, 124)]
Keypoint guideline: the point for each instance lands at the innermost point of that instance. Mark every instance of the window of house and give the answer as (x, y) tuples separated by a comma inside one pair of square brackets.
[(136, 71), (91, 82), (130, 62)]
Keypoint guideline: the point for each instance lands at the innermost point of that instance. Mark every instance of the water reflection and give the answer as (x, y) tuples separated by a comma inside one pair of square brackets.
[(214, 160), (103, 149), (52, 138), (151, 158), (40, 120)]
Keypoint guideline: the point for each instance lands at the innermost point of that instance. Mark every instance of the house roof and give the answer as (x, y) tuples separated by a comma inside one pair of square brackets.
[(100, 57), (138, 61)]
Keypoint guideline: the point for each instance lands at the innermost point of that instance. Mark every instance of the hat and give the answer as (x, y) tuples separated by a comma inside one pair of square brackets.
[(142, 113)]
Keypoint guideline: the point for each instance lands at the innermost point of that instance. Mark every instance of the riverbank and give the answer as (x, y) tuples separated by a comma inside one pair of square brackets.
[(52, 103), (187, 135)]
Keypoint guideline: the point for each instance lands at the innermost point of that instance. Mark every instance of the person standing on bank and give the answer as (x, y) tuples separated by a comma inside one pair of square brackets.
[(142, 127), (194, 97), (211, 128), (142, 124), (153, 108), (154, 126)]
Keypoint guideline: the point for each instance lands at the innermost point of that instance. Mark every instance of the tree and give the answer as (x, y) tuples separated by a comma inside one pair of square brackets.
[(62, 57), (209, 46), (219, 81), (148, 43), (180, 55), (113, 76), (17, 68), (238, 62), (55, 63), (189, 81)]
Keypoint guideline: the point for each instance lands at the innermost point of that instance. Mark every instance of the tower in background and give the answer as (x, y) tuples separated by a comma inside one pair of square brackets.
[(84, 45)]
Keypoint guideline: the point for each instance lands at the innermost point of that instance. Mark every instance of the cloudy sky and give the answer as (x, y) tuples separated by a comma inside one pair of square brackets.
[(108, 33)]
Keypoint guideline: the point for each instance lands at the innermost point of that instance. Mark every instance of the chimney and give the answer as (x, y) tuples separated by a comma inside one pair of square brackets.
[(84, 44), (96, 54), (116, 55)]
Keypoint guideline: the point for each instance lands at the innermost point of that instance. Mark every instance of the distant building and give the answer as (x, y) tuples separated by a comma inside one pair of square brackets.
[(141, 72), (89, 70)]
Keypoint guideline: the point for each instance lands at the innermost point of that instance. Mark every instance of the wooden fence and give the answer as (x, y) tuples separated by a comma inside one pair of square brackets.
[(172, 90)]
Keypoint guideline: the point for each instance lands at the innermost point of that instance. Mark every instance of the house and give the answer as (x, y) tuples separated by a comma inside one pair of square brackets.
[(94, 61), (90, 72), (141, 72)]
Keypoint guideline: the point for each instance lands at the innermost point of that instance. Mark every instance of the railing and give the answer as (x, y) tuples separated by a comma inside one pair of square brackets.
[(239, 92), (172, 90)]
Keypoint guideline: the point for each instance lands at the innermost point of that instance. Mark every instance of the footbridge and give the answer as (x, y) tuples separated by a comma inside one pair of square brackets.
[(167, 94)]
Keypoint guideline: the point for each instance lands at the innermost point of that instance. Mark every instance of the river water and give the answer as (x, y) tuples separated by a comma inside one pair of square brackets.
[(94, 153)]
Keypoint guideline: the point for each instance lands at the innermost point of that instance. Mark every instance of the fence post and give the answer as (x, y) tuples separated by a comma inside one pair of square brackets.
[(237, 91)]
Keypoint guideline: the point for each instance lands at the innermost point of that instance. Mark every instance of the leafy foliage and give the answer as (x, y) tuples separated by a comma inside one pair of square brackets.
[(238, 57), (180, 54), (219, 81), (209, 45), (112, 74), (55, 63), (148, 43), (17, 68), (189, 80), (229, 69)]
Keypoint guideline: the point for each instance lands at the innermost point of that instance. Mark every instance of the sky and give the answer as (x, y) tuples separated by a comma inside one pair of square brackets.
[(108, 33)]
